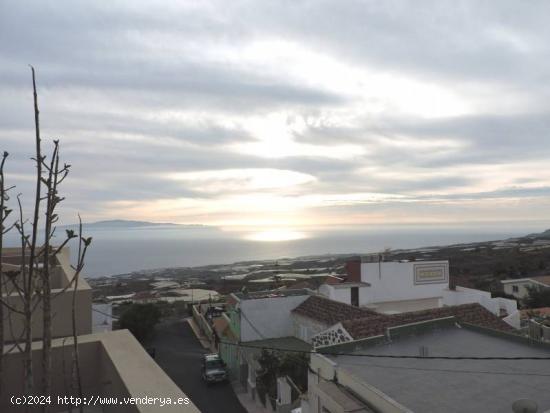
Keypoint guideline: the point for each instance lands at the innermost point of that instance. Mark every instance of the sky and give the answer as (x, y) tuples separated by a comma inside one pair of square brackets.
[(283, 114)]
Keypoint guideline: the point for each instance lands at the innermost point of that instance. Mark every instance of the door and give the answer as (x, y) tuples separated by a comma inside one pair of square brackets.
[(355, 296)]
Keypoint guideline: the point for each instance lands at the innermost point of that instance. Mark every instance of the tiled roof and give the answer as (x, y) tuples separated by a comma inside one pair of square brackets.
[(543, 312), (466, 313), (544, 279), (330, 312)]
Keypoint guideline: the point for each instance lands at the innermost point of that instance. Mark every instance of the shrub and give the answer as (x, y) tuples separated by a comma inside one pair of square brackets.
[(140, 319)]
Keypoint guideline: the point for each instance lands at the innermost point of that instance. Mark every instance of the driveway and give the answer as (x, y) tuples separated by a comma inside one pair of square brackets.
[(179, 352)]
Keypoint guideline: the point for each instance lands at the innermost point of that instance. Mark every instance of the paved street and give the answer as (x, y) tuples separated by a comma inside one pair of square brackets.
[(179, 352)]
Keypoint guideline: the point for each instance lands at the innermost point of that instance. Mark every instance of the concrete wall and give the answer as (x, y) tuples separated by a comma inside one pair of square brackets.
[(395, 281), (394, 307), (343, 293), (263, 318), (202, 323), (305, 328), (498, 305), (370, 394), (324, 368), (62, 274), (538, 331), (112, 365)]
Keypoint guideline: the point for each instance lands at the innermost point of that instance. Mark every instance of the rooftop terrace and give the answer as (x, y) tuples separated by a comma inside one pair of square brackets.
[(455, 386), (271, 294)]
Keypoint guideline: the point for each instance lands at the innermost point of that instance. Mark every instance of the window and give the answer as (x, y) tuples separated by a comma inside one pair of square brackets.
[(355, 296), (304, 333), (515, 288)]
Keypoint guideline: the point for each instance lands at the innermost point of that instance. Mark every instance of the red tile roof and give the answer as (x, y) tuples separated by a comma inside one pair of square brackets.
[(544, 279), (542, 312), (330, 312), (466, 313)]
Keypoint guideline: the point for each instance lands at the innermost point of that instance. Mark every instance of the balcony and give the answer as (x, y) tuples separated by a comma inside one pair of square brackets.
[(113, 365), (61, 276)]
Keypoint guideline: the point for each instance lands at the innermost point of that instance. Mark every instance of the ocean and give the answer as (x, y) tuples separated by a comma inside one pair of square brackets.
[(123, 250)]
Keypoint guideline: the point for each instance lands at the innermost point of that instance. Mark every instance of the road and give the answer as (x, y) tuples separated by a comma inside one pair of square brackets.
[(179, 352)]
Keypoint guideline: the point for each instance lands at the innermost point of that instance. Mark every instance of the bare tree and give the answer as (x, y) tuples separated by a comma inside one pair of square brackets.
[(4, 228), (31, 282)]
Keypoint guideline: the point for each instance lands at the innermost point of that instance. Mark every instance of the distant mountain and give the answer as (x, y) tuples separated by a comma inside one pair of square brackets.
[(124, 224), (540, 235)]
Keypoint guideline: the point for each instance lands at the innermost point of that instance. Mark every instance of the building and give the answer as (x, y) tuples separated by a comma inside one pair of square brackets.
[(62, 298), (263, 315), (330, 322), (356, 383), (519, 287), (404, 286), (318, 314), (536, 322), (113, 364), (258, 320)]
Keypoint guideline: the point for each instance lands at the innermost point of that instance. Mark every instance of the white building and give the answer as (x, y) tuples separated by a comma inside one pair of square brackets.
[(519, 287), (402, 286)]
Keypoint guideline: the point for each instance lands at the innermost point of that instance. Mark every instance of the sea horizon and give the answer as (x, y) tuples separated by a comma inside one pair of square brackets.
[(122, 251)]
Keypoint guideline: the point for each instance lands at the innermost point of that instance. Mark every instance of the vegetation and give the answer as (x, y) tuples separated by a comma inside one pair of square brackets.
[(140, 319), (275, 364), (30, 281), (538, 297)]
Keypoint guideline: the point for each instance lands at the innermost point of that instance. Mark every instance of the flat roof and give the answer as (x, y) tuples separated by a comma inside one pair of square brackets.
[(343, 397), (541, 279), (455, 386), (255, 295), (350, 284)]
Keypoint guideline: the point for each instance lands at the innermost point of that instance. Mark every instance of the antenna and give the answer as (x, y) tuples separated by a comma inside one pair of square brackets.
[(525, 406)]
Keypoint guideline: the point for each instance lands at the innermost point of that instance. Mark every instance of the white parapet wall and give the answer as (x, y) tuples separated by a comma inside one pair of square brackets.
[(62, 301), (498, 305), (269, 317), (410, 280), (113, 365), (324, 369)]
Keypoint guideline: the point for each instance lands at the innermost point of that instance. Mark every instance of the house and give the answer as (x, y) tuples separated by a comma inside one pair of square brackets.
[(328, 322), (392, 287), (536, 322), (519, 287), (113, 364), (300, 320), (387, 365), (317, 314), (250, 353), (258, 320)]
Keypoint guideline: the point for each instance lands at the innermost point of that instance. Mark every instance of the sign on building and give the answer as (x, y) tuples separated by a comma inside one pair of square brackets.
[(431, 274)]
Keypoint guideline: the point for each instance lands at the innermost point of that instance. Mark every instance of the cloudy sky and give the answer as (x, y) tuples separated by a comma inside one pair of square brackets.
[(281, 114)]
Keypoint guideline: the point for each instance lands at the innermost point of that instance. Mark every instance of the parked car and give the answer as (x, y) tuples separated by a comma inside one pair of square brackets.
[(214, 369)]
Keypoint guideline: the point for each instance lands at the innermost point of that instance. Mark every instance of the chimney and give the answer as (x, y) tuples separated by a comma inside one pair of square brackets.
[(353, 270), (452, 283)]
